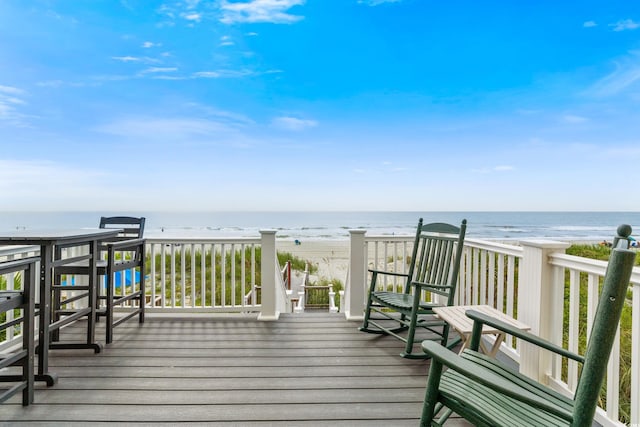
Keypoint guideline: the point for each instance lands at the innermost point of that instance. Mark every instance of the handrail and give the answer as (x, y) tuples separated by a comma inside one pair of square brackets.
[(12, 250)]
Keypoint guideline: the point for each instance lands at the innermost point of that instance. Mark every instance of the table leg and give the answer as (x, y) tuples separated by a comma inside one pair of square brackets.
[(465, 341), (46, 259), (496, 345)]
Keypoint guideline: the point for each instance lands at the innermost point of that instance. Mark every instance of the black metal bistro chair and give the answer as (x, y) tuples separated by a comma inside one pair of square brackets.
[(122, 264)]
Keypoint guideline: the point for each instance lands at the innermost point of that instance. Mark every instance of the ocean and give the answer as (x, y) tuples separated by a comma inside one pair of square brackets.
[(503, 226)]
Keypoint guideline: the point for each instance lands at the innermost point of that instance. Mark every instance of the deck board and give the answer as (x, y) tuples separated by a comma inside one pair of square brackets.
[(303, 370)]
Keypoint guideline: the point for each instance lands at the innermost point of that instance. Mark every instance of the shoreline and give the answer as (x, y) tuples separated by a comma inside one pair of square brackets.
[(332, 256)]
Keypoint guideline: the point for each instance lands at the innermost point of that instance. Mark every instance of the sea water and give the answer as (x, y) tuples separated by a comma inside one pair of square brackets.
[(567, 226)]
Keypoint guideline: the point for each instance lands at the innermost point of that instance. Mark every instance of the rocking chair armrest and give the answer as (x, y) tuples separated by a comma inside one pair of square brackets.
[(489, 379), (430, 285), (388, 273), (481, 318)]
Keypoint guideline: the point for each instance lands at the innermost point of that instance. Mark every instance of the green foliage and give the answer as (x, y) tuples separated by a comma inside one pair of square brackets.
[(17, 284), (600, 252), (297, 263), (228, 277), (320, 297)]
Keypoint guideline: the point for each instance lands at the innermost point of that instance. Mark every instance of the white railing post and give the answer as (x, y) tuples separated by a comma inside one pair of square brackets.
[(332, 301), (354, 296), (269, 310), (539, 304)]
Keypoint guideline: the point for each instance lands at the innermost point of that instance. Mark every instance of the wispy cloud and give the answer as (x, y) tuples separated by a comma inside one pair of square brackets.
[(164, 128), (253, 11), (377, 2), (159, 70), (625, 24), (148, 45), (293, 123), (222, 74), (226, 41), (574, 119), (495, 169), (126, 58), (11, 98), (192, 16), (589, 24), (11, 90), (625, 76), (190, 10)]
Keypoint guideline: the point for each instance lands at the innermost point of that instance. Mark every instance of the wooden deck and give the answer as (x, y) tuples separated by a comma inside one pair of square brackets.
[(312, 369)]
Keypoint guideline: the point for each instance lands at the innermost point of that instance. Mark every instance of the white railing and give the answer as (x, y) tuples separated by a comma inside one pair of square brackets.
[(623, 375), (489, 275), (214, 275), (526, 282), (203, 275)]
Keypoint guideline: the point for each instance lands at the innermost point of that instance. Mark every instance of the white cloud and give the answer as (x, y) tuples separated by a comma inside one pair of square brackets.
[(193, 16), (589, 24), (148, 45), (51, 83), (625, 76), (11, 90), (126, 58), (252, 11), (207, 74), (220, 74), (150, 128), (159, 70), (292, 123), (226, 41), (500, 168), (10, 101), (377, 2), (192, 4), (625, 24), (574, 119)]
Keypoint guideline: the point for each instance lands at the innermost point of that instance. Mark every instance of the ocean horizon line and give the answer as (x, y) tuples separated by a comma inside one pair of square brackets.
[(328, 225)]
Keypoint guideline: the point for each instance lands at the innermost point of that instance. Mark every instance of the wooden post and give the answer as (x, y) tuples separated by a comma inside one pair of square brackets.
[(269, 305), (354, 296), (540, 304)]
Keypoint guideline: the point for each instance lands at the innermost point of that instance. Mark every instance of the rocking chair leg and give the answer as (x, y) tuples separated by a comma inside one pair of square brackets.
[(431, 395)]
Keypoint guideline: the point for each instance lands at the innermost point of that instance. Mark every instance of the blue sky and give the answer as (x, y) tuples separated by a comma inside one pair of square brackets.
[(423, 105)]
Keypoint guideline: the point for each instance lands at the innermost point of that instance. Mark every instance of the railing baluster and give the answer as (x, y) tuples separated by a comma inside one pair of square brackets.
[(574, 325)]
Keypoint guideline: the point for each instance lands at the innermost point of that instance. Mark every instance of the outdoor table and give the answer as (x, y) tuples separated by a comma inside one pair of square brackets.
[(456, 317), (51, 242)]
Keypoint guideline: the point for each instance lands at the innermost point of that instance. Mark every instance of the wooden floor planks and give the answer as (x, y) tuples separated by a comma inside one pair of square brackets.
[(313, 369)]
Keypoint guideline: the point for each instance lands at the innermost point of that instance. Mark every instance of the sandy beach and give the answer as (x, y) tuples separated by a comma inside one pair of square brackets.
[(330, 256)]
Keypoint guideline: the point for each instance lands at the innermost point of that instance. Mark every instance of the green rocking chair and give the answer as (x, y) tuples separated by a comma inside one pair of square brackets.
[(487, 393), (431, 281)]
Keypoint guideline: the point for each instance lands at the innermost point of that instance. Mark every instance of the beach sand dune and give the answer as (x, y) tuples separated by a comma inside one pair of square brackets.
[(330, 256)]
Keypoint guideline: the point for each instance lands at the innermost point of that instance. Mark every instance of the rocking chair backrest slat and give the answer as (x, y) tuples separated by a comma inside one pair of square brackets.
[(436, 250)]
